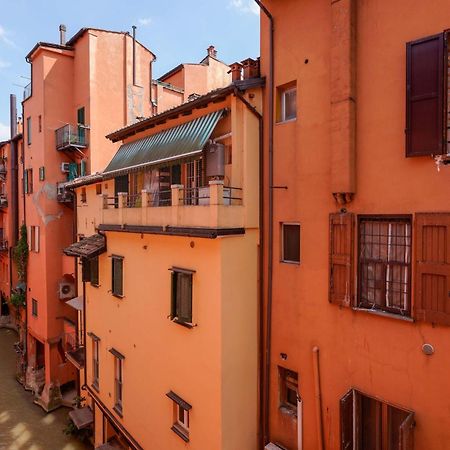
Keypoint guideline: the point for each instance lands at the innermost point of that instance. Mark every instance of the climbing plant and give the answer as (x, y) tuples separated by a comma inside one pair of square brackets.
[(20, 254)]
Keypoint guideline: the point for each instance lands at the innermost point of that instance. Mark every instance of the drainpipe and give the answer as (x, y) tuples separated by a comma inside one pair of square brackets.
[(14, 172), (266, 380), (134, 54), (318, 396)]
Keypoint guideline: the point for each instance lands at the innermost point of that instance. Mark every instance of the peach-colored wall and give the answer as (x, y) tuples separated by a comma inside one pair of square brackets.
[(379, 355)]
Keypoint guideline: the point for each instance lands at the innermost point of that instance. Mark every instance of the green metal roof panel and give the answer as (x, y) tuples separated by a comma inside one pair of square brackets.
[(178, 142)]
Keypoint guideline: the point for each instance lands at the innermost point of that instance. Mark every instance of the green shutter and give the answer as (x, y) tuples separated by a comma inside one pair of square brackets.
[(82, 168), (73, 171)]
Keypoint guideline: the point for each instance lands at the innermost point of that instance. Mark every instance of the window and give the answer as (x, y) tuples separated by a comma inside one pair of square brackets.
[(34, 238), (83, 195), (95, 361), (28, 181), (117, 275), (384, 265), (41, 173), (181, 310), (90, 270), (367, 423), (287, 103), (34, 307), (288, 389), (426, 108), (98, 189), (118, 380), (291, 243), (29, 130), (181, 410)]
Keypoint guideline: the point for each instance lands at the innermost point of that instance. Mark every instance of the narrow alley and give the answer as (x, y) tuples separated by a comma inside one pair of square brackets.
[(23, 425)]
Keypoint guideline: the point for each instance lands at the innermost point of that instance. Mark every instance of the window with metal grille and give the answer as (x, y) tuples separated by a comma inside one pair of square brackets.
[(288, 381), (34, 307), (291, 243), (367, 423), (117, 276), (181, 309), (384, 262)]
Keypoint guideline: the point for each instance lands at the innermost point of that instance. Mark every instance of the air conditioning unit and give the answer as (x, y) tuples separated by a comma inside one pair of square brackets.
[(65, 167), (215, 160), (66, 290)]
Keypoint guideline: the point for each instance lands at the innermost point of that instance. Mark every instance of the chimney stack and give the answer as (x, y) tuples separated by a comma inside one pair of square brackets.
[(236, 71), (212, 51), (62, 34), (251, 68)]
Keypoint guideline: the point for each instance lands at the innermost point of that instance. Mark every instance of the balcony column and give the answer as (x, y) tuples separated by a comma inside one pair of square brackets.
[(216, 192), (145, 202), (177, 200), (122, 203)]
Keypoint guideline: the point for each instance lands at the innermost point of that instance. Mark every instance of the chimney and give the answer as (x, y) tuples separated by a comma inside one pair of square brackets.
[(251, 68), (236, 71), (212, 51), (62, 34)]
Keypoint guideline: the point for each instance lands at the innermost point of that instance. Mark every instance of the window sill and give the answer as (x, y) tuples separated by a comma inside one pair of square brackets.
[(117, 295), (380, 313), (118, 410), (293, 263), (180, 432), (184, 324), (281, 122), (288, 412), (95, 285)]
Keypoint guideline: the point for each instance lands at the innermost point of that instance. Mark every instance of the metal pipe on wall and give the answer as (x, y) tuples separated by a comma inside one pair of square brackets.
[(299, 423), (318, 397), (266, 391)]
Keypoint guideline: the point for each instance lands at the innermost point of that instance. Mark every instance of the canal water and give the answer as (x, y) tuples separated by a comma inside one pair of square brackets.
[(24, 425)]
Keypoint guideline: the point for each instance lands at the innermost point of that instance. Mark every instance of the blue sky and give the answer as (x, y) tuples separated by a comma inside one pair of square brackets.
[(176, 31)]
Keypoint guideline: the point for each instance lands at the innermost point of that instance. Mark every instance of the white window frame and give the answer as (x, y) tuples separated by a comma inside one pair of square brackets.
[(185, 423), (284, 92)]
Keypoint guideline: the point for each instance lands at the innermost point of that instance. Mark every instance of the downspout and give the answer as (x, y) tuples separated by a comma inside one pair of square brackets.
[(266, 391), (261, 258), (134, 54), (14, 171), (25, 343), (318, 397)]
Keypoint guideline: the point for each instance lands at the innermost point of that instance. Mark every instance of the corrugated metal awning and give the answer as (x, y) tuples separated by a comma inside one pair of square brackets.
[(182, 141)]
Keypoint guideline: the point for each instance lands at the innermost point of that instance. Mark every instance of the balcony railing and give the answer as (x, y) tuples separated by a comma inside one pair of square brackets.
[(216, 206), (64, 195), (27, 91), (70, 137), (74, 349)]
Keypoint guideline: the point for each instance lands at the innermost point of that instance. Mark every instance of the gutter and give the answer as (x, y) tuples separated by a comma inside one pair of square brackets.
[(265, 397)]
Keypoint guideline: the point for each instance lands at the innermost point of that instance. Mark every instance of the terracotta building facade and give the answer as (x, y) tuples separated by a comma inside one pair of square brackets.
[(357, 223)]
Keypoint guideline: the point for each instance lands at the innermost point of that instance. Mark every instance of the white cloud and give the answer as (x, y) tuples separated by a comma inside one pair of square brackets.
[(4, 37), (4, 64), (145, 21), (4, 132), (245, 6)]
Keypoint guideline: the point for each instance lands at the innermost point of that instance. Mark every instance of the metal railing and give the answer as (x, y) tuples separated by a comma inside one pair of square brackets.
[(3, 200), (134, 201), (231, 194), (70, 136), (195, 196), (27, 91), (160, 198)]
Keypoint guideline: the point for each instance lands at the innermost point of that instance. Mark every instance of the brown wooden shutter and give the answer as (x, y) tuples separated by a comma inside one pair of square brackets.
[(425, 96), (341, 259), (173, 302), (346, 406), (432, 288), (85, 270), (407, 433)]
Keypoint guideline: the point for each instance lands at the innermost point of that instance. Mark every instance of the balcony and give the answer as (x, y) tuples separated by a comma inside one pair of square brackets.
[(3, 168), (27, 91), (64, 195), (74, 349), (213, 206), (71, 137)]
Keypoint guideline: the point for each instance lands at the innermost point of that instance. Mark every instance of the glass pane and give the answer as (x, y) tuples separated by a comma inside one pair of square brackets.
[(290, 104), (291, 243)]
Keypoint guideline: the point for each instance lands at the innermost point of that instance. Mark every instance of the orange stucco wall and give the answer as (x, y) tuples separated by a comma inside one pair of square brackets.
[(380, 356)]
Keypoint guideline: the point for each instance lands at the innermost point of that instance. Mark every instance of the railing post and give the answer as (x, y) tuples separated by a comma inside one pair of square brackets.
[(122, 199), (216, 192), (177, 194)]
